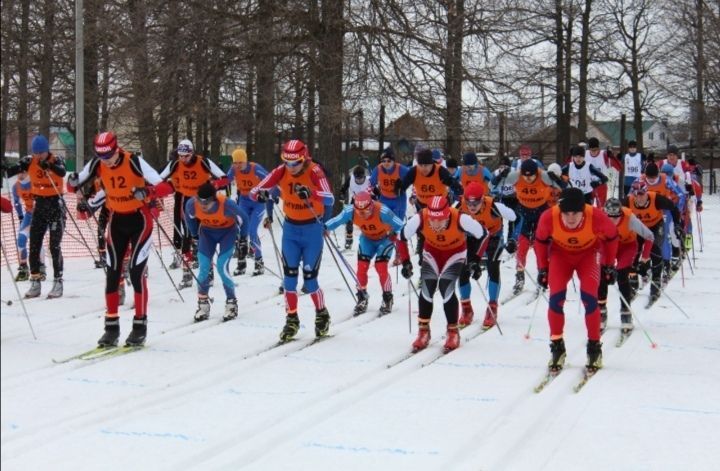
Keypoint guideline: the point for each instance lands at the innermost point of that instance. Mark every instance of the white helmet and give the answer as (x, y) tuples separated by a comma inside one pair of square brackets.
[(555, 169), (185, 147)]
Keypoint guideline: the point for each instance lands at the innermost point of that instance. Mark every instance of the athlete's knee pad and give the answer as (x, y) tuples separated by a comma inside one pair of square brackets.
[(310, 274), (590, 302), (290, 271), (557, 301)]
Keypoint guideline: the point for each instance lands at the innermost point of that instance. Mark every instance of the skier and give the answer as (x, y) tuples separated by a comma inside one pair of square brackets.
[(378, 228), (247, 175), (473, 171), (384, 179), (23, 202), (532, 189), (633, 166), (444, 256), (648, 206), (629, 228), (214, 220), (46, 172), (602, 160), (129, 183), (568, 236), (305, 192), (581, 174), (187, 173), (357, 181), (490, 214)]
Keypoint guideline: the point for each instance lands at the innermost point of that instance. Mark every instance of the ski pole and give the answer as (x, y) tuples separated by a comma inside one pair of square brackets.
[(627, 304), (662, 291), (343, 275), (344, 260), (17, 290), (162, 263), (532, 318), (410, 306), (175, 250), (492, 311), (700, 234)]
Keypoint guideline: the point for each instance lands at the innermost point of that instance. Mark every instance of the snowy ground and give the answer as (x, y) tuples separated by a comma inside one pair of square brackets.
[(213, 396)]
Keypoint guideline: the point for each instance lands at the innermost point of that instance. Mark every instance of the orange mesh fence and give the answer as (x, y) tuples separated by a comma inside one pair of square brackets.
[(72, 243)]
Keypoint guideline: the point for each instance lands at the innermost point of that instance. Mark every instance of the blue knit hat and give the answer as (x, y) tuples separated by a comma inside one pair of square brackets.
[(470, 158), (40, 144)]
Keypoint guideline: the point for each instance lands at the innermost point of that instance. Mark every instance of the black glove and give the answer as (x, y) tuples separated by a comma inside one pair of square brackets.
[(643, 267), (302, 191), (44, 164), (262, 196), (475, 269), (556, 179), (595, 183), (698, 207), (511, 246), (83, 206), (267, 223), (542, 278), (407, 269), (680, 234), (140, 193), (376, 192), (20, 217), (609, 274), (504, 172), (73, 180)]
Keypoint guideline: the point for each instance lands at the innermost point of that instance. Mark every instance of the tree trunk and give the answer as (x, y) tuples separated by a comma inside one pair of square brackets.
[(453, 77), (698, 131), (584, 64), (330, 57), (22, 113), (560, 130), (46, 67), (141, 85), (93, 39), (265, 67), (6, 65), (567, 101), (636, 94)]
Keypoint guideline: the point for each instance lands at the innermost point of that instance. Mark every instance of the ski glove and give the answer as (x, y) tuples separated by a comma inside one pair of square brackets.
[(609, 274), (267, 223), (643, 267), (83, 206), (140, 193), (504, 172), (511, 246), (376, 192), (44, 164), (542, 278), (407, 269), (262, 196), (698, 206), (73, 180), (595, 183), (475, 269), (303, 192), (679, 233)]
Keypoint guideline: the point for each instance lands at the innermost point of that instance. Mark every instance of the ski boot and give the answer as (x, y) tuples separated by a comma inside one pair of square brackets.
[(43, 272), (467, 315), (186, 279), (34, 290), (57, 289), (304, 290), (112, 332), (519, 282), (203, 310), (626, 322), (654, 296), (387, 302), (100, 262), (603, 316), (121, 292), (176, 263), (23, 273), (491, 313), (594, 355), (423, 337), (231, 310), (138, 333), (241, 267), (674, 265), (259, 267), (453, 338), (348, 241), (322, 322), (292, 325), (362, 302), (557, 359)]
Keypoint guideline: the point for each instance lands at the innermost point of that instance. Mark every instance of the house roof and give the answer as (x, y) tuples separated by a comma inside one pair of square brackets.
[(612, 129)]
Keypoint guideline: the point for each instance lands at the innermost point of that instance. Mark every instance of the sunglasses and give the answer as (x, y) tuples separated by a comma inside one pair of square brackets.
[(473, 202), (386, 161), (293, 164), (207, 200)]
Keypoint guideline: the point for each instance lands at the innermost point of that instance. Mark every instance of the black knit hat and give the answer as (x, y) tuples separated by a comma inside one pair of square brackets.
[(207, 192), (572, 200), (652, 170), (528, 167), (425, 157)]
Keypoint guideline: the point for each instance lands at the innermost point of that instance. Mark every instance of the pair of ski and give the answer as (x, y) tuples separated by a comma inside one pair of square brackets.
[(100, 353), (552, 374)]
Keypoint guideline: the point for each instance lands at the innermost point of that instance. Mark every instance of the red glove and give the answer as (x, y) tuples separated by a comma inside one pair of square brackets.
[(6, 205), (402, 250), (221, 183)]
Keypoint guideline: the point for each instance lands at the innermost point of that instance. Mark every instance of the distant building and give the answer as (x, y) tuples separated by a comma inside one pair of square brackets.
[(62, 142), (656, 134)]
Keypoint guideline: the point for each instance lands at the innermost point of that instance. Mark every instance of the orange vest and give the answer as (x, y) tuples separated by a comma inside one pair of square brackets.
[(492, 224), (373, 228), (215, 219), (386, 182), (427, 187), (624, 233), (452, 238), (246, 181), (40, 183), (574, 240), (466, 179), (119, 182), (187, 178), (295, 207), (648, 216), (531, 195), (26, 196)]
